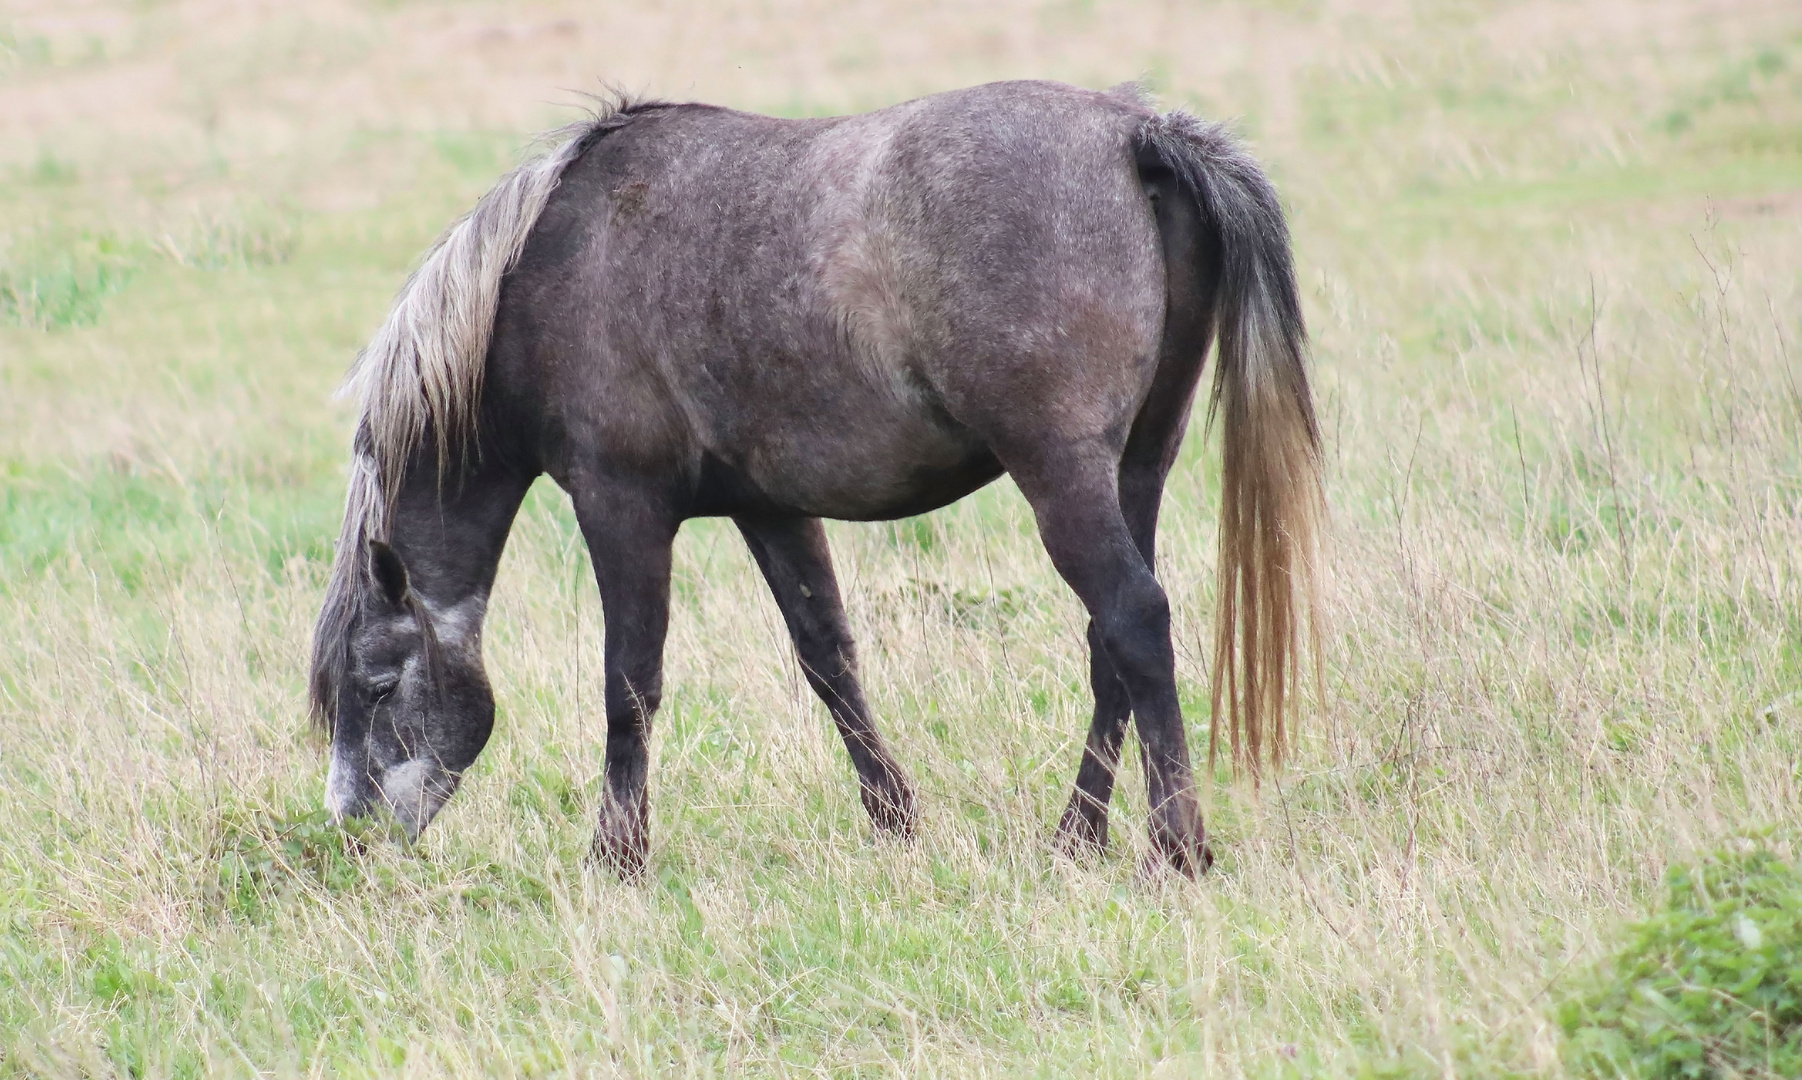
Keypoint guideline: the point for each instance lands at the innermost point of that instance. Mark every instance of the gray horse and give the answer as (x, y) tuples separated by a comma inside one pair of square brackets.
[(687, 311)]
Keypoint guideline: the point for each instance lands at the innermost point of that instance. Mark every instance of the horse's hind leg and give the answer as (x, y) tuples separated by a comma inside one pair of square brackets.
[(1191, 277), (629, 539), (1075, 495), (797, 564), (1084, 824), (1151, 450)]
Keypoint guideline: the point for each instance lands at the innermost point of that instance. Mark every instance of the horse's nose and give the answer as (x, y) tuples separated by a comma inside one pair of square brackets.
[(349, 789)]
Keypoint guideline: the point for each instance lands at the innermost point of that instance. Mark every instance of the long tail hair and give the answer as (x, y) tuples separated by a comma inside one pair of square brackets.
[(423, 373), (1272, 510)]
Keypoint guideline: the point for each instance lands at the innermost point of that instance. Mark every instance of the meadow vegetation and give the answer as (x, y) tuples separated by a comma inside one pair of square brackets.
[(1552, 258)]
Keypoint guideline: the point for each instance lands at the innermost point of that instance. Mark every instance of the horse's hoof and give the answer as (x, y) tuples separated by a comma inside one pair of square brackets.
[(892, 811), (1190, 859), (1162, 864), (626, 861), (619, 849), (1080, 836)]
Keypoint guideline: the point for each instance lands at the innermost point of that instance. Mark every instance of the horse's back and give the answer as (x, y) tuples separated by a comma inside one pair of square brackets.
[(835, 315)]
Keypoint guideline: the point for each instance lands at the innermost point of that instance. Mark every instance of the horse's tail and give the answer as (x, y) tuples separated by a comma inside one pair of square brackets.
[(1272, 509), (423, 370)]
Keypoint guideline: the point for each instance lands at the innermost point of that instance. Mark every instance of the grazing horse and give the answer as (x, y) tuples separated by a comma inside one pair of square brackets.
[(687, 311)]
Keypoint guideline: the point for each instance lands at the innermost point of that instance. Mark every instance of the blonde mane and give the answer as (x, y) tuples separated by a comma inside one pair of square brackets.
[(423, 370)]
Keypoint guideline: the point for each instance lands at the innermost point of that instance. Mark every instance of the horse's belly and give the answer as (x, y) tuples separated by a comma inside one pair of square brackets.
[(860, 467)]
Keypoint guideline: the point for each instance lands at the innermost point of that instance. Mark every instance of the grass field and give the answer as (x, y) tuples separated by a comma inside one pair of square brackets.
[(1552, 257)]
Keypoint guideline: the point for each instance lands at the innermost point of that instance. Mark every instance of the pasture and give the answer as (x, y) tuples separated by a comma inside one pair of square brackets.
[(1551, 255)]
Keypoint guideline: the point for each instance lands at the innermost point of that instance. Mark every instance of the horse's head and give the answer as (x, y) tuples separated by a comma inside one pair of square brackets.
[(411, 708)]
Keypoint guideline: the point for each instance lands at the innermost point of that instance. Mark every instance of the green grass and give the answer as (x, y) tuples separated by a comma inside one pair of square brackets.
[(1556, 356), (62, 279)]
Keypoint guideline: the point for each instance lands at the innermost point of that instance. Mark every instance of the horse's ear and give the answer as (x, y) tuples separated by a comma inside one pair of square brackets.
[(389, 572)]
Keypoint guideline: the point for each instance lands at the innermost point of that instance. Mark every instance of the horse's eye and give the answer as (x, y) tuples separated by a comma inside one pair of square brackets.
[(381, 692)]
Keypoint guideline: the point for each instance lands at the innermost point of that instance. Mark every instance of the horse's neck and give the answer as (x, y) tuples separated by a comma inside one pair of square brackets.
[(452, 534)]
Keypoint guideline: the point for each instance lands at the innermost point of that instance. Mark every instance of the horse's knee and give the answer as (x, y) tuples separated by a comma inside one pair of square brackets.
[(633, 695), (829, 655)]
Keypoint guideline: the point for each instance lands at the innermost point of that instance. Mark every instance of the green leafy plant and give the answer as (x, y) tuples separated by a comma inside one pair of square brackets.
[(260, 857), (1708, 986)]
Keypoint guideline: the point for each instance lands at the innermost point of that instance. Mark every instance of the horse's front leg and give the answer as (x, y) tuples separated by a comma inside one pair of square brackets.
[(797, 564), (629, 539)]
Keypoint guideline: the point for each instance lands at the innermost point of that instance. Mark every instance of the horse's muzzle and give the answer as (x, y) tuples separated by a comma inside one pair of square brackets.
[(412, 791)]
